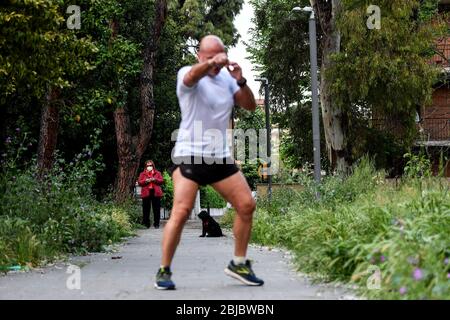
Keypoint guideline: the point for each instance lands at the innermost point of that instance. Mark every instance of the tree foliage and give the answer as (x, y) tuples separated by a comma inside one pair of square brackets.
[(384, 71), (97, 71), (37, 51), (280, 50)]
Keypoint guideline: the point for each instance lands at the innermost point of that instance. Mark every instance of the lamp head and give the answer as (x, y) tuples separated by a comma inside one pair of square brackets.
[(262, 80), (305, 9)]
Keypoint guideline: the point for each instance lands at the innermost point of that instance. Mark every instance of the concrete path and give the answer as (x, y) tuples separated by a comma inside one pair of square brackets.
[(128, 273)]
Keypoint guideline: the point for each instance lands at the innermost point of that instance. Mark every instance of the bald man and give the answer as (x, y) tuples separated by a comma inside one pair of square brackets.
[(207, 93)]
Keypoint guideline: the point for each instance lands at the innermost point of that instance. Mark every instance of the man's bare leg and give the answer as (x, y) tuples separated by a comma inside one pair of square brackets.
[(237, 192), (184, 194)]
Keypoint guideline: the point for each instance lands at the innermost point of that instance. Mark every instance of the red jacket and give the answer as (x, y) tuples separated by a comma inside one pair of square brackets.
[(147, 186)]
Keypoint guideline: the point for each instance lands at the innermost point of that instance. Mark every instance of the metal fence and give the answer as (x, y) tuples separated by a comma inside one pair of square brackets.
[(430, 129), (443, 55), (435, 129)]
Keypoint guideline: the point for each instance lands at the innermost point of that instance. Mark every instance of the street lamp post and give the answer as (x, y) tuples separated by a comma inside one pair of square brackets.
[(314, 89), (265, 82)]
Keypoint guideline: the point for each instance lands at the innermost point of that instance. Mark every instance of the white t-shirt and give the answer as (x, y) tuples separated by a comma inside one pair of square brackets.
[(205, 113)]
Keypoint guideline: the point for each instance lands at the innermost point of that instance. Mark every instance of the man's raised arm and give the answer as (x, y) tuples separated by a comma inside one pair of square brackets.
[(244, 97), (201, 69)]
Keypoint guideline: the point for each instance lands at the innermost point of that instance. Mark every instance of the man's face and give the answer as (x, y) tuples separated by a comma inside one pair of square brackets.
[(209, 53)]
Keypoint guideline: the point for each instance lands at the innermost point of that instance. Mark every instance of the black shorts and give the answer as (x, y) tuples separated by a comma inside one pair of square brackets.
[(205, 170)]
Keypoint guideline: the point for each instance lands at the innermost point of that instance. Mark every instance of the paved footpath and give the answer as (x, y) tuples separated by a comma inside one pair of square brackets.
[(128, 273)]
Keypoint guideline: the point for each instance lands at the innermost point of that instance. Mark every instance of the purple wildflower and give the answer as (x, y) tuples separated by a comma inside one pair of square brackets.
[(402, 290), (417, 274), (448, 275), (382, 258), (17, 130), (8, 140), (446, 261)]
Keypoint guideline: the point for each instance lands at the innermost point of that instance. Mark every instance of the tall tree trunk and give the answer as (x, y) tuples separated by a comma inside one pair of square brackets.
[(125, 148), (128, 163), (48, 135), (146, 89), (335, 120), (131, 149)]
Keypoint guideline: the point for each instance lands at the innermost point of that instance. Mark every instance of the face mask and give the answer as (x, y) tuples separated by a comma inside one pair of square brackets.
[(149, 168)]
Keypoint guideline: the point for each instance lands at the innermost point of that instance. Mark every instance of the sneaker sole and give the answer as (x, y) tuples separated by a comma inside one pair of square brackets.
[(241, 279), (164, 288)]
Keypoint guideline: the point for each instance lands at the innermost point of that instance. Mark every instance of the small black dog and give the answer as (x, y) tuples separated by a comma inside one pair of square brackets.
[(210, 226)]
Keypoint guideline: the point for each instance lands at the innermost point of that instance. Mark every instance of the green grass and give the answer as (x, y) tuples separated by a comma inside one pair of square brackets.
[(42, 222), (362, 224)]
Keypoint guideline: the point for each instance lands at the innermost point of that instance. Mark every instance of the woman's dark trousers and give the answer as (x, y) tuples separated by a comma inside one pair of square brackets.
[(155, 202)]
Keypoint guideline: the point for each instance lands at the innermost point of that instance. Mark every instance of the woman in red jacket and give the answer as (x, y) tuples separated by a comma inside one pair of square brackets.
[(151, 180)]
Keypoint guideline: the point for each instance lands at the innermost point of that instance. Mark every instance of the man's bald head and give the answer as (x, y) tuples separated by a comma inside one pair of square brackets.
[(210, 46), (213, 43)]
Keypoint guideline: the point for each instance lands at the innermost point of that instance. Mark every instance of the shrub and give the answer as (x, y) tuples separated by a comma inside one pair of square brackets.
[(227, 219), (361, 223), (417, 165), (18, 244), (209, 197), (41, 220), (415, 250), (167, 199)]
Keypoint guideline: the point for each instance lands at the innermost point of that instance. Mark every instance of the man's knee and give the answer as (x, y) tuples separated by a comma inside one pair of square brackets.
[(246, 207), (180, 214)]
